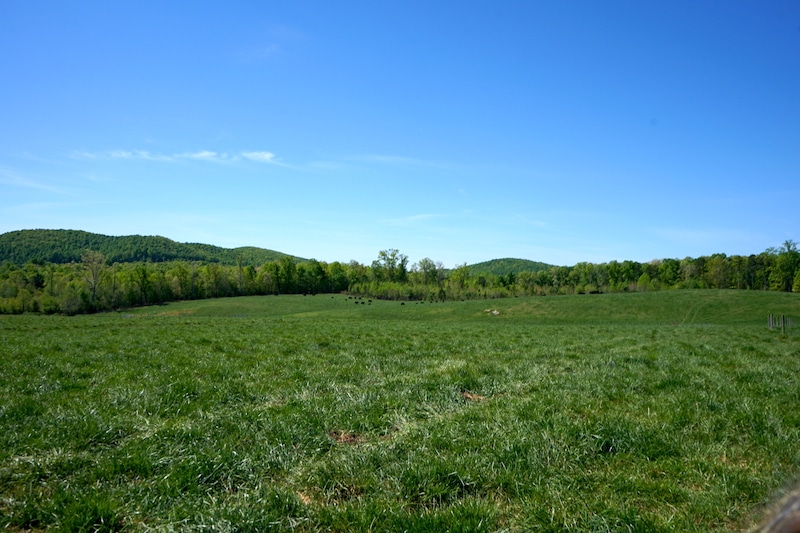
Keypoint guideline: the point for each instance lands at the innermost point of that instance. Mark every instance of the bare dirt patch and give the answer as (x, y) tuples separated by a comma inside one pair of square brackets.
[(472, 397), (346, 437)]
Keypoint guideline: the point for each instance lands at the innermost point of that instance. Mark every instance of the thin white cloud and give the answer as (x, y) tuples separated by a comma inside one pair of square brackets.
[(258, 156), (203, 155), (119, 154), (136, 154), (10, 177), (261, 157), (78, 154)]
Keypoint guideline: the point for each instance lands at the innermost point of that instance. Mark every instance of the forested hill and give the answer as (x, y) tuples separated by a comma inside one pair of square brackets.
[(65, 246), (506, 266)]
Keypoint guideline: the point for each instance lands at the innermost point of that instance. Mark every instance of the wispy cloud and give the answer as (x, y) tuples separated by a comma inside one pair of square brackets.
[(137, 154), (200, 155), (15, 179), (204, 155), (261, 157), (119, 154), (79, 154)]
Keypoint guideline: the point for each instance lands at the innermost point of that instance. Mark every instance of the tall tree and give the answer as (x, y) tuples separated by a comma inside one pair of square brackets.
[(459, 276), (94, 264), (287, 275), (787, 262), (268, 278), (428, 271), (391, 265)]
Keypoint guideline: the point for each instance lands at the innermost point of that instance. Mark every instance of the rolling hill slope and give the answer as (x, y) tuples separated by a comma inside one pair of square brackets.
[(65, 246), (508, 265)]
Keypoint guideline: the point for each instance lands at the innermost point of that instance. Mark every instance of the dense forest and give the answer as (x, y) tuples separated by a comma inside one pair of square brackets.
[(96, 282), (67, 246), (505, 266)]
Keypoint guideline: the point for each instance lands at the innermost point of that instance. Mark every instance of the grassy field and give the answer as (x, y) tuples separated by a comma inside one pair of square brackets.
[(668, 411)]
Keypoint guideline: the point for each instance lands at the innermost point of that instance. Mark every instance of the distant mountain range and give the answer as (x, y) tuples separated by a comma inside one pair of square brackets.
[(66, 246)]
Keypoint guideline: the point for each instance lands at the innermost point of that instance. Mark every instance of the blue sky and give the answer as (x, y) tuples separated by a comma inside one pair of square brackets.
[(458, 131)]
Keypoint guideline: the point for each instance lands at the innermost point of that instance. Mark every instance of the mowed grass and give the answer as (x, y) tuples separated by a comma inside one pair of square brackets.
[(670, 411)]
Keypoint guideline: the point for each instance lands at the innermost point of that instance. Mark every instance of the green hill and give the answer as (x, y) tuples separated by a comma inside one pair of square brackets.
[(508, 265), (65, 246)]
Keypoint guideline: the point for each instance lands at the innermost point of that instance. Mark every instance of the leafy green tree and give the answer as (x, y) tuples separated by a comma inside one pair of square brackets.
[(717, 272), (631, 271), (507, 280), (337, 277), (239, 274), (141, 278), (614, 274), (691, 272), (356, 273), (95, 265), (560, 276), (268, 278), (459, 277), (391, 265), (526, 281), (217, 283), (161, 290), (579, 275), (644, 283), (316, 277), (599, 276), (669, 272), (787, 261), (181, 280), (250, 274), (738, 265), (428, 271), (287, 276)]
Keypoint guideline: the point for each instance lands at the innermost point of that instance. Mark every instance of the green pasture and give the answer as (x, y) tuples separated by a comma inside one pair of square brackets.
[(664, 411)]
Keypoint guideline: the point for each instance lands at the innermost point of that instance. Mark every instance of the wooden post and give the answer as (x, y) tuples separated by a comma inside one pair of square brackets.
[(783, 324)]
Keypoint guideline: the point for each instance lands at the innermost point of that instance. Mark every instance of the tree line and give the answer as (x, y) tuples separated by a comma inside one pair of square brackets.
[(96, 284)]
